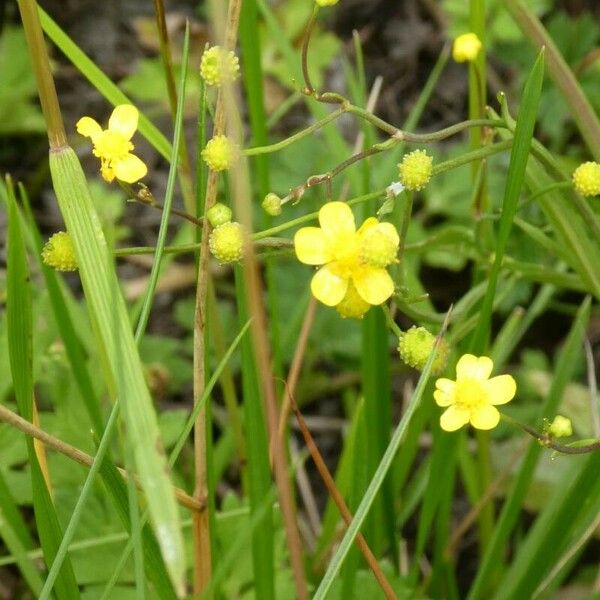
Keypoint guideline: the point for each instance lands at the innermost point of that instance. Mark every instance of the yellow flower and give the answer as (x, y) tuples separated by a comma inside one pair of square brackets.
[(473, 397), (415, 170), (219, 66), (586, 179), (466, 47), (337, 246), (113, 146)]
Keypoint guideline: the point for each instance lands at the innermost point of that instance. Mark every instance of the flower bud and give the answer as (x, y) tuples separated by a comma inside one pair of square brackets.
[(327, 2), (219, 66), (219, 153), (416, 345), (466, 47), (586, 179), (226, 242), (58, 252), (272, 204), (218, 214), (560, 427), (415, 170)]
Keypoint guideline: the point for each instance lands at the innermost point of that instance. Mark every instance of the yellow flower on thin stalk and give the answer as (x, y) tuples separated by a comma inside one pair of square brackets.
[(466, 47), (113, 145), (473, 397), (352, 262)]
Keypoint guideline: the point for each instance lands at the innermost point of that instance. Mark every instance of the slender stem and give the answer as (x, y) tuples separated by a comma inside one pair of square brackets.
[(15, 420), (548, 441), (201, 532), (332, 116), (309, 90), (340, 503)]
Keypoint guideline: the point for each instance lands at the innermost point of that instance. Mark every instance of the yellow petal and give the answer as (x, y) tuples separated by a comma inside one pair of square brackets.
[(327, 287), (501, 389), (389, 231), (474, 367), (129, 168), (336, 218), (310, 244), (124, 120), (87, 127), (444, 393), (485, 417), (368, 224), (106, 171), (454, 418), (375, 286)]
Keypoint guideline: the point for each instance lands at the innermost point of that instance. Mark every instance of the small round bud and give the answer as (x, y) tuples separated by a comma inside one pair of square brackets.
[(415, 170), (272, 204), (327, 2), (226, 242), (466, 47), (586, 179), (416, 345), (219, 66), (560, 427), (219, 153), (58, 252), (218, 214), (378, 249), (352, 305)]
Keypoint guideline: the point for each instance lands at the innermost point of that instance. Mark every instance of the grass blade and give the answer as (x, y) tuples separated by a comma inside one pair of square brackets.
[(20, 336)]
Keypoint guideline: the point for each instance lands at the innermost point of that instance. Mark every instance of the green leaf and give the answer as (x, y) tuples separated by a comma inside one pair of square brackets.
[(20, 334)]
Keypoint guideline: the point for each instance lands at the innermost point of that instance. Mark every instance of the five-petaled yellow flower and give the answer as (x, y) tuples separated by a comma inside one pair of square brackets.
[(347, 255), (473, 397), (113, 145)]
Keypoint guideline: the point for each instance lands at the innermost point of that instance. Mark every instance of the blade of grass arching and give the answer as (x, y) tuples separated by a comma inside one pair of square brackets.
[(16, 538), (566, 363), (573, 500), (258, 469), (101, 82), (582, 111), (20, 336), (73, 347), (121, 373), (375, 485), (175, 452), (514, 182)]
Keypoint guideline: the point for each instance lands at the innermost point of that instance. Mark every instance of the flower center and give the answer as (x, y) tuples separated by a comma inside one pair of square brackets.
[(345, 248), (111, 145), (470, 394)]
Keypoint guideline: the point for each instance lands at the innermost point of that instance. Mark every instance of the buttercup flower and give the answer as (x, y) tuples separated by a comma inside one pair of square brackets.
[(58, 252), (560, 427), (113, 145), (337, 246), (415, 170), (218, 66), (586, 179), (466, 47), (473, 397)]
